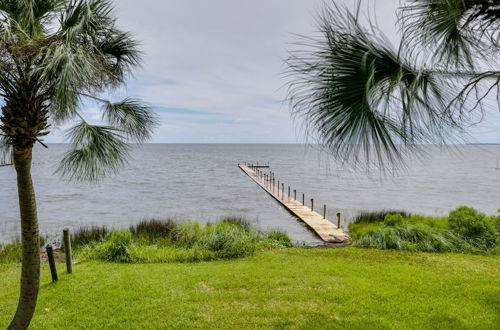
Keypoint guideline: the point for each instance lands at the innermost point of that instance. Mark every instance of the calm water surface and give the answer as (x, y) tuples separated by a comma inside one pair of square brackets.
[(203, 182)]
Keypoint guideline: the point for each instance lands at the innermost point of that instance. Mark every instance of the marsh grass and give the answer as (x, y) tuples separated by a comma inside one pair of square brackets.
[(86, 235), (166, 241), (465, 231), (377, 216), (10, 253), (153, 228)]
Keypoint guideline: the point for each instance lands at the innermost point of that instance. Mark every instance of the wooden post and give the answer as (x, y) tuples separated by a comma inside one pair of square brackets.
[(312, 204), (288, 193), (278, 188), (338, 220), (282, 191), (67, 250), (303, 199), (52, 263), (295, 194), (324, 211), (273, 185)]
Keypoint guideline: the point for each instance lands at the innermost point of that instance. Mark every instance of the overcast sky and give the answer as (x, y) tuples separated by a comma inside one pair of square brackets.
[(212, 68)]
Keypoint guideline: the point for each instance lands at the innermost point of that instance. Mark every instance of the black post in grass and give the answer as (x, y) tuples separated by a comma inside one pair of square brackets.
[(67, 250), (52, 263)]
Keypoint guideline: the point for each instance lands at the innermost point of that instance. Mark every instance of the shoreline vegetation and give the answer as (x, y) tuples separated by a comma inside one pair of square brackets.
[(464, 230)]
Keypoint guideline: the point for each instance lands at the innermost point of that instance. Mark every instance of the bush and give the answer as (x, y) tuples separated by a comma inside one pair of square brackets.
[(277, 239), (115, 248), (393, 220), (473, 226)]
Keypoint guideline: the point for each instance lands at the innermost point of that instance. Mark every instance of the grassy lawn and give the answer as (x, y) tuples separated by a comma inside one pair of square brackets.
[(291, 288)]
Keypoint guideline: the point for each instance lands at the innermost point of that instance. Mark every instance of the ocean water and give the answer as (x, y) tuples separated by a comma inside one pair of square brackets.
[(203, 182)]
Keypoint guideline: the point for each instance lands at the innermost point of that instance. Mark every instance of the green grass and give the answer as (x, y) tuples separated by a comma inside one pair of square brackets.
[(289, 288)]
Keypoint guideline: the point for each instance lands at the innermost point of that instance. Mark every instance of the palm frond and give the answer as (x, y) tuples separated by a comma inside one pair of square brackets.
[(96, 151), (457, 31), (132, 117), (362, 97)]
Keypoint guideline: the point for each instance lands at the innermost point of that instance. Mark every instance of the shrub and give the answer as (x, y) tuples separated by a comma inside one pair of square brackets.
[(393, 220), (115, 248), (473, 226), (277, 239)]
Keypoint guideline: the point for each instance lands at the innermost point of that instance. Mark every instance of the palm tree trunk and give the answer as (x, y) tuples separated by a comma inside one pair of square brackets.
[(30, 276)]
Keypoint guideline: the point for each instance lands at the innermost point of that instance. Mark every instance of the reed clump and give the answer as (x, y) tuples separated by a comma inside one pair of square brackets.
[(464, 230), (86, 235), (166, 241)]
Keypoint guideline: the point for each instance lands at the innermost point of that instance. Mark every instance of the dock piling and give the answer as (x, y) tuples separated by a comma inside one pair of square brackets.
[(338, 220), (312, 204), (324, 211)]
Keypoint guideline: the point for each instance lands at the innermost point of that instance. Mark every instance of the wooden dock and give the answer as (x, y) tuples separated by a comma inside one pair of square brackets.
[(325, 229)]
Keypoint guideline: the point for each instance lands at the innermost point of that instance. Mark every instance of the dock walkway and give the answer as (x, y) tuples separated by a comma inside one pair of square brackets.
[(326, 230)]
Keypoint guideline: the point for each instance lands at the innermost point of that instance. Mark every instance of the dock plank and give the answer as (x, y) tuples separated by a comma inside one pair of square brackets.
[(325, 229)]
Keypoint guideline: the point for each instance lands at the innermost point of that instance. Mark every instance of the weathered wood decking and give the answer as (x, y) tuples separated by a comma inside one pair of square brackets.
[(326, 230)]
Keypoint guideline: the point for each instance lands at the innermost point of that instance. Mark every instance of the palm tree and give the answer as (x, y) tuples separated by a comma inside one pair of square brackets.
[(364, 99), (55, 54)]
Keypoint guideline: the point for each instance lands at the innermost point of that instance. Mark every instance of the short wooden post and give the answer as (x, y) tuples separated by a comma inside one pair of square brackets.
[(312, 204), (278, 188), (273, 185), (52, 262), (324, 211), (295, 194), (338, 220), (282, 191), (67, 250), (303, 199), (288, 193)]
